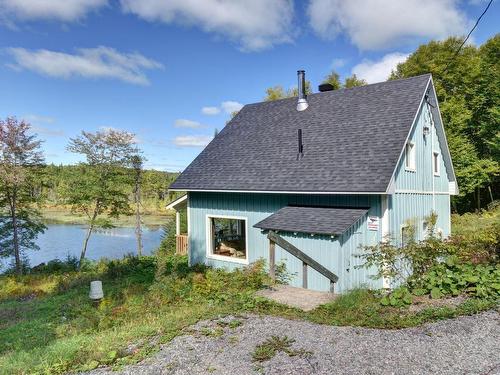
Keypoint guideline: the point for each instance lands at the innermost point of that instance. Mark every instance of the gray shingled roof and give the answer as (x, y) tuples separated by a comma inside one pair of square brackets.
[(352, 141), (317, 220)]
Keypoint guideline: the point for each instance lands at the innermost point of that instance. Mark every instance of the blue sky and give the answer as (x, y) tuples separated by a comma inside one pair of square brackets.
[(171, 71)]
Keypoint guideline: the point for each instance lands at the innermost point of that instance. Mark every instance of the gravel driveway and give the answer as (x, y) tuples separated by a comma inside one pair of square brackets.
[(466, 345)]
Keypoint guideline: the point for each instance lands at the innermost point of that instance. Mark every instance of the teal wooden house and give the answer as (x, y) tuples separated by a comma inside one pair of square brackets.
[(310, 182)]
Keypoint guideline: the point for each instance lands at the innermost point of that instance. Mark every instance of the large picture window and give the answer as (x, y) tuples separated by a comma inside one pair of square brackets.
[(227, 238)]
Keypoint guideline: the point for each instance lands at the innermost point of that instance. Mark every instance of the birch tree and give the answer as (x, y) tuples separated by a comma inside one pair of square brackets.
[(137, 162), (98, 188)]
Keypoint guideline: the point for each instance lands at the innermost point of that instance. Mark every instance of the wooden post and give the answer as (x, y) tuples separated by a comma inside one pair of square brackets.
[(304, 275), (272, 260), (177, 223), (332, 286)]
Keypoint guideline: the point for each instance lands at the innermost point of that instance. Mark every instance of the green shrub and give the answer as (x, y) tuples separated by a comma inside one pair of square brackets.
[(399, 297), (397, 263), (27, 286), (452, 278), (56, 266)]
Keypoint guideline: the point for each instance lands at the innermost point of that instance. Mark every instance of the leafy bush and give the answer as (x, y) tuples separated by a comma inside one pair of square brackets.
[(415, 258), (477, 240), (218, 285), (399, 297), (480, 247), (466, 262), (454, 278), (28, 286), (57, 266)]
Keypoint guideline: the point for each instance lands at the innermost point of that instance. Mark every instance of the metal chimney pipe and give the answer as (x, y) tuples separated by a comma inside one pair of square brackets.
[(302, 102)]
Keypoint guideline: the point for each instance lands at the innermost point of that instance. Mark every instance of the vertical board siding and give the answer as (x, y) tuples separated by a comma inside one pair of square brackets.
[(412, 206), (422, 178), (339, 254), (415, 196)]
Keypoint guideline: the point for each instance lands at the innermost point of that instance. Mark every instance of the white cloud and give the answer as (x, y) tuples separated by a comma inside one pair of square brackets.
[(210, 111), (254, 25), (36, 119), (378, 71), (380, 24), (231, 106), (100, 62), (338, 63), (228, 107), (62, 10), (43, 130), (192, 140), (184, 123)]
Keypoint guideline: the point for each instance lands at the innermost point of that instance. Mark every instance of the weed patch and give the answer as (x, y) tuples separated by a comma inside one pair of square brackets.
[(275, 344)]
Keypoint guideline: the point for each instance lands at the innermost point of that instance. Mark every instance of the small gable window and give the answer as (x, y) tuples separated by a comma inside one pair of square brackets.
[(410, 156), (435, 163)]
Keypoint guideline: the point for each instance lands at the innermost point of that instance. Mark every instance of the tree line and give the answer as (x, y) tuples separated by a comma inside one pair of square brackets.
[(110, 182), (153, 186), (467, 82)]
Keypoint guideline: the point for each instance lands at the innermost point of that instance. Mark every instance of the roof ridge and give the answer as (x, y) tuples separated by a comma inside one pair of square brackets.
[(389, 81)]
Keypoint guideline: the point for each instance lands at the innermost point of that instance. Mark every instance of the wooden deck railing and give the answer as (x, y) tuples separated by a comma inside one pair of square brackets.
[(181, 244), (306, 260)]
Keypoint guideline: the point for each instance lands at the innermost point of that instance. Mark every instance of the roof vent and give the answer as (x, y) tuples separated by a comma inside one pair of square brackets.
[(302, 102), (300, 153), (325, 87)]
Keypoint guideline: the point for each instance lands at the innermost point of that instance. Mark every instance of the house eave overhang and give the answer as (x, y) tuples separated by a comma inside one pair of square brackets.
[(283, 191), (178, 203)]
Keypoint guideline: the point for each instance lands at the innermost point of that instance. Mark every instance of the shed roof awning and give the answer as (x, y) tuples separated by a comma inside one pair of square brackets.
[(315, 220)]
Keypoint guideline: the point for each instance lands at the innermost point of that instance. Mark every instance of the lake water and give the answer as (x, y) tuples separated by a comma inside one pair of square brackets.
[(60, 240)]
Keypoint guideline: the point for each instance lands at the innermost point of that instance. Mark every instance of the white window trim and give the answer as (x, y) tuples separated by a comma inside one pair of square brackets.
[(401, 227), (208, 231), (411, 160), (425, 231), (435, 154)]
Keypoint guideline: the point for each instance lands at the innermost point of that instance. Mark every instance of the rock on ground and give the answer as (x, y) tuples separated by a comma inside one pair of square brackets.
[(465, 345)]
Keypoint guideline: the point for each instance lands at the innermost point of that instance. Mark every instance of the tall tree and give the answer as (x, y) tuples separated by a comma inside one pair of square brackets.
[(137, 162), (333, 79), (354, 81), (20, 162), (98, 190), (278, 92), (467, 86)]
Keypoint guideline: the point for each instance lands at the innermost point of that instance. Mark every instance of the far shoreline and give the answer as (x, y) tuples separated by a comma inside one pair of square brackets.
[(63, 215)]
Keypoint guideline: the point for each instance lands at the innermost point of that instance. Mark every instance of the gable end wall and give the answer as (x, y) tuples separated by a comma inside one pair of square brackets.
[(418, 193)]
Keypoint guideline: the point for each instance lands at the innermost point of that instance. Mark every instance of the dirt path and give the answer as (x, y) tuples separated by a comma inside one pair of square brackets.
[(466, 345)]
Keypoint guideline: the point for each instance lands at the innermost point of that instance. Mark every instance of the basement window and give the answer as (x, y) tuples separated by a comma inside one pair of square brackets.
[(425, 229), (407, 234), (227, 238), (435, 163), (410, 156)]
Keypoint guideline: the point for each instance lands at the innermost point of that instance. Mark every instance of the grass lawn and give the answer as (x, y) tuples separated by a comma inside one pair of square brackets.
[(49, 326)]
